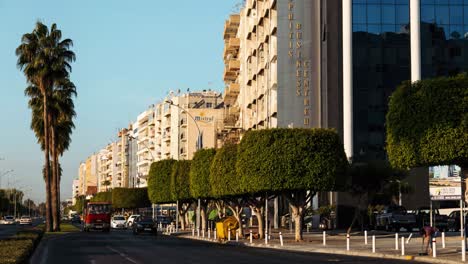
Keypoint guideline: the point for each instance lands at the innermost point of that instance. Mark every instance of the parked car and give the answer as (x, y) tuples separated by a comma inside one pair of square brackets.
[(25, 220), (75, 219), (454, 220), (423, 218), (9, 220), (130, 220), (118, 221), (144, 224), (394, 218), (164, 220)]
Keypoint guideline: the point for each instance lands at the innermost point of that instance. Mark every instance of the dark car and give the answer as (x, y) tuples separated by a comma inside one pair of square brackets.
[(164, 220), (423, 218), (454, 220), (145, 224), (76, 219)]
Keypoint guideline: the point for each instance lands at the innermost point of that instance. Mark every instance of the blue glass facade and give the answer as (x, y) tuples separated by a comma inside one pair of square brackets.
[(381, 58)]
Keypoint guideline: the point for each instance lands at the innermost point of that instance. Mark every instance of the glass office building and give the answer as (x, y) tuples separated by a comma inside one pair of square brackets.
[(381, 58)]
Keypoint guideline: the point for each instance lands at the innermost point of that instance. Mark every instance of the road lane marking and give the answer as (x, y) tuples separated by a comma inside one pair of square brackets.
[(123, 255)]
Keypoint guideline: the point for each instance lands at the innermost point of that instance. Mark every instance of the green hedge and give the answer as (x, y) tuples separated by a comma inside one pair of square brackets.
[(180, 181), (102, 197), (224, 180), (130, 198), (159, 182), (200, 173), (427, 123), (20, 247)]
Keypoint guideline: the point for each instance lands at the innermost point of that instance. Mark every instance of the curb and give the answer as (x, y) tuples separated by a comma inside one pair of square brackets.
[(329, 251)]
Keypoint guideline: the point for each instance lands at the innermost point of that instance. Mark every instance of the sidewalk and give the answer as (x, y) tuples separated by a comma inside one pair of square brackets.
[(336, 244)]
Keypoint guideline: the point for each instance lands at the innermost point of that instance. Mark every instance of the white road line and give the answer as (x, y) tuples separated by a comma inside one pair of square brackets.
[(123, 255)]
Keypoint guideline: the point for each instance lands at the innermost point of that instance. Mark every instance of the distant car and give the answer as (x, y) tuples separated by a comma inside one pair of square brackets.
[(118, 221), (454, 220), (394, 217), (9, 220), (76, 219), (130, 220), (423, 218), (145, 224), (164, 220), (25, 220)]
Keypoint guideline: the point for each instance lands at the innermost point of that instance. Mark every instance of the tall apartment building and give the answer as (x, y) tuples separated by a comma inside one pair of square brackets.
[(75, 190), (81, 178), (271, 64), (91, 175)]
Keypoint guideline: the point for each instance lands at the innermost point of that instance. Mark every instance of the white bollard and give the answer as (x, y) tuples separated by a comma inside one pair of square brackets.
[(251, 237), (198, 232), (237, 235), (324, 238), (307, 228), (193, 232), (443, 239), (396, 241), (434, 248), (402, 246), (463, 250), (215, 234), (266, 238), (209, 235), (373, 244), (229, 234), (347, 242), (365, 237), (281, 238), (409, 238), (203, 233)]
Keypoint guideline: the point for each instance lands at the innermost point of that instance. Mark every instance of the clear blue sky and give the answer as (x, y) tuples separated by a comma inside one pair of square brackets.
[(129, 55)]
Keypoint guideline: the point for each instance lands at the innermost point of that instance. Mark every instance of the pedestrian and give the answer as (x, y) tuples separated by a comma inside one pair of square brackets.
[(427, 234)]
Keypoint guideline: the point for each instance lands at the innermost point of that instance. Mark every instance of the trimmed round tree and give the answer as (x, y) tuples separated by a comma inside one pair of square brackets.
[(180, 187), (200, 180), (159, 182), (295, 162), (427, 123), (225, 183), (130, 198)]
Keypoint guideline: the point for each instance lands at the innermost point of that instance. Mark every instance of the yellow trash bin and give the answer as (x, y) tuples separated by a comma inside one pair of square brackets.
[(224, 225)]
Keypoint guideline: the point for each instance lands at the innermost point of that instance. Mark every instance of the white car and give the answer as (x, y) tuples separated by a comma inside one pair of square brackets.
[(130, 220), (118, 221), (8, 220), (25, 220)]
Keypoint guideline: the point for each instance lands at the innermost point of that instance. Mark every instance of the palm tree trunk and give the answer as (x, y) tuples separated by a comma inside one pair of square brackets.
[(47, 165), (57, 177), (54, 176)]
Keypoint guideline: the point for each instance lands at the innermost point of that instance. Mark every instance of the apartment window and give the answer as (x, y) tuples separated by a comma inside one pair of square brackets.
[(209, 105)]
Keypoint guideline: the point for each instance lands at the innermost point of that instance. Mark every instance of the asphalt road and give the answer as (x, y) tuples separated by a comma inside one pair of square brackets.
[(10, 230), (123, 247)]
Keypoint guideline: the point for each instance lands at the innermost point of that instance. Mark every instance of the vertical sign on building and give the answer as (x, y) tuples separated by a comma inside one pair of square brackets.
[(298, 63)]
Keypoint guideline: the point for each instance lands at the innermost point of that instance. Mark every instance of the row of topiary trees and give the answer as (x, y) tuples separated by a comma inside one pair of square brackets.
[(296, 163), (121, 198)]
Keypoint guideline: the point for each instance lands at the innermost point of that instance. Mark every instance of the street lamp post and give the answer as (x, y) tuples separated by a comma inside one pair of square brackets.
[(3, 174), (198, 147)]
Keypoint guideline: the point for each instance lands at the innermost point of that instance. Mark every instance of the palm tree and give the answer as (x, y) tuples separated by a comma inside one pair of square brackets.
[(45, 61), (61, 114)]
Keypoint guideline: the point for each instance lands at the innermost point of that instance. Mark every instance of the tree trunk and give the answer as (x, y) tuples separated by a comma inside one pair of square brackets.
[(203, 216), (47, 162), (55, 201), (297, 202), (237, 211), (57, 164), (259, 214)]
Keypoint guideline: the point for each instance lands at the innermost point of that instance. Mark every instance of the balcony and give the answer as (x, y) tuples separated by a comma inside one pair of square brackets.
[(234, 65), (229, 76), (231, 26), (234, 89), (143, 163), (231, 47)]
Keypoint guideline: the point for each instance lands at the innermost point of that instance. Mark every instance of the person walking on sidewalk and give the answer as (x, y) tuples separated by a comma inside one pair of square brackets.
[(427, 234)]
